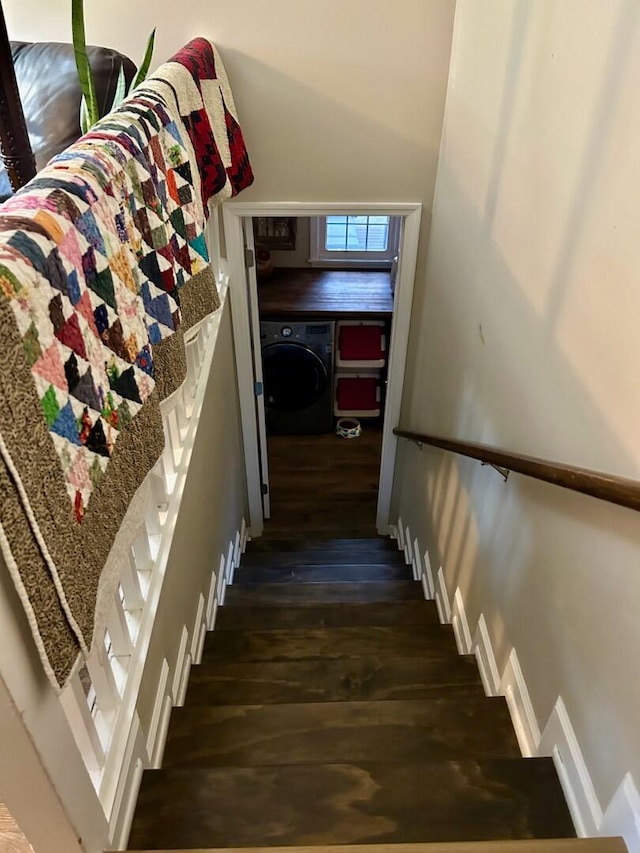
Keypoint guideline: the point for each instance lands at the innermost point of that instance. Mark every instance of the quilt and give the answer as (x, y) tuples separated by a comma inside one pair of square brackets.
[(103, 267)]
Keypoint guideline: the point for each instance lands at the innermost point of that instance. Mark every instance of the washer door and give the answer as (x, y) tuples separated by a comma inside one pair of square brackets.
[(294, 377)]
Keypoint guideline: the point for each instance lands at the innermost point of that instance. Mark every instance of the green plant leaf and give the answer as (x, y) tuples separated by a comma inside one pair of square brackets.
[(85, 75), (85, 124), (146, 62), (121, 89)]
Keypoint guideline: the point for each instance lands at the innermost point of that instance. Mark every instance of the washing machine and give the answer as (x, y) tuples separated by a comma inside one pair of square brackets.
[(297, 360)]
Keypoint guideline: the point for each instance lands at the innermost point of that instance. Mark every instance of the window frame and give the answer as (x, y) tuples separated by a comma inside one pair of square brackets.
[(321, 257)]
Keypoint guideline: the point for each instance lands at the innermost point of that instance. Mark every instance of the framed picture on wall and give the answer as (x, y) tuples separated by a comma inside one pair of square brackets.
[(276, 232)]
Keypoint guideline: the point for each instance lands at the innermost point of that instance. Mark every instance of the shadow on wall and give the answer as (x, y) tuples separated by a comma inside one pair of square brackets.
[(307, 146), (493, 540)]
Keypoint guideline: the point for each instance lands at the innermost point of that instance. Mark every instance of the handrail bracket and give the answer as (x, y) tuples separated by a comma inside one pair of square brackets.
[(504, 472)]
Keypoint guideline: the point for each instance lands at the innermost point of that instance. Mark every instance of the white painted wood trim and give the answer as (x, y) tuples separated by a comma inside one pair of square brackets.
[(460, 624), (184, 680), (244, 363), (211, 601), (403, 300), (179, 664), (163, 730), (161, 692), (133, 763), (622, 816), (408, 549), (442, 598), (486, 659), (197, 628), (416, 563), (559, 740), (514, 688), (400, 535), (427, 578), (234, 212)]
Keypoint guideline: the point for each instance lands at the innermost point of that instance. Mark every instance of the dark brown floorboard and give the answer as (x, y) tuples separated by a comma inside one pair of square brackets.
[(350, 803), (318, 593), (429, 642), (463, 723), (324, 486), (327, 616), (363, 573), (336, 680), (334, 293)]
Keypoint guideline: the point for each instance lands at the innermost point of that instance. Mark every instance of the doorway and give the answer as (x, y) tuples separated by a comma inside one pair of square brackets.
[(238, 217)]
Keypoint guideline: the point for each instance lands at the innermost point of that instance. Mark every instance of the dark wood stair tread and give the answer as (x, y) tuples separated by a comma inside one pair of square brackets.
[(333, 545), (428, 641), (463, 723), (320, 556), (599, 844), (332, 680), (350, 803), (324, 592), (323, 573), (232, 618)]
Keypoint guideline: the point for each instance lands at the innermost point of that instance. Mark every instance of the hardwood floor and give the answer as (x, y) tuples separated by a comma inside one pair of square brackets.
[(324, 718), (302, 293), (324, 486)]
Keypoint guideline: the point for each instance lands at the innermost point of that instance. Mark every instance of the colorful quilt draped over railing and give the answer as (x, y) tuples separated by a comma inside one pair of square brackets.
[(103, 267)]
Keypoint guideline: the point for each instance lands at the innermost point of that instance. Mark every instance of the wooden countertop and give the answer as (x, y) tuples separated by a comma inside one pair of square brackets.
[(340, 293)]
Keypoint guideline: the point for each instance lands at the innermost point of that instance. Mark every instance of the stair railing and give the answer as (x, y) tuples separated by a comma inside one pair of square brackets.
[(606, 487), (100, 699)]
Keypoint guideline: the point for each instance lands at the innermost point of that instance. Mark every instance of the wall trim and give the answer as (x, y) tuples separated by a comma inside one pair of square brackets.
[(460, 624), (163, 731), (559, 740), (622, 816), (128, 786), (197, 628), (416, 562), (486, 659), (400, 534), (408, 550), (211, 601), (442, 598), (427, 578), (179, 664), (161, 692), (514, 687)]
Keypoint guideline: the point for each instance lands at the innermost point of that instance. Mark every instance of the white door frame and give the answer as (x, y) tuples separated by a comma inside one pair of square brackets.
[(233, 213)]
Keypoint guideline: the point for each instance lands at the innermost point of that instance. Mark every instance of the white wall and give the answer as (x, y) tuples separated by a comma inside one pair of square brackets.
[(338, 101), (527, 338)]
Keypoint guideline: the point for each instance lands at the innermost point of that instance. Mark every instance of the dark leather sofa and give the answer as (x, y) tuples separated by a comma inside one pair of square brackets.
[(50, 94)]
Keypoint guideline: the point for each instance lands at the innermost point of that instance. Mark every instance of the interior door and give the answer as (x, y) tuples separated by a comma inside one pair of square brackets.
[(254, 321)]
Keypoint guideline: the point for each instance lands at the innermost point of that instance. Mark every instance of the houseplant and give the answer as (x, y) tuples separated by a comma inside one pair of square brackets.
[(89, 109)]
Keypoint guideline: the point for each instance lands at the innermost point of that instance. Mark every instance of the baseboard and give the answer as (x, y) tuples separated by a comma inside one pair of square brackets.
[(197, 628), (161, 692), (427, 578), (460, 624), (400, 537), (163, 731), (442, 599), (408, 549), (392, 531), (416, 563), (487, 666), (211, 601), (515, 690), (179, 664), (184, 680), (622, 816), (128, 787), (559, 740)]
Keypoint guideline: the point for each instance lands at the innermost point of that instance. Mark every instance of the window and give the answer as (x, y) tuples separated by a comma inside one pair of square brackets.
[(354, 240)]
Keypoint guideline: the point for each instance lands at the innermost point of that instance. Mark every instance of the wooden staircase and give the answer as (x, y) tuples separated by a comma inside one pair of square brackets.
[(332, 708)]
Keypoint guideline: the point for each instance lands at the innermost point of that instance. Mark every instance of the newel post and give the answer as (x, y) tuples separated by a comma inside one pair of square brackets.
[(14, 139)]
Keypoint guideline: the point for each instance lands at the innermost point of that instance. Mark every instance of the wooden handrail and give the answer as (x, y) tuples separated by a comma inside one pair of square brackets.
[(606, 487)]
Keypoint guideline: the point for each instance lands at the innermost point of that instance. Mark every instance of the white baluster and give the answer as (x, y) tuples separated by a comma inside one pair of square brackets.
[(74, 702), (121, 640)]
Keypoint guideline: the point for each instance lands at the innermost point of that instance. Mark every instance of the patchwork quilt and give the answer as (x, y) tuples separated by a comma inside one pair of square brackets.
[(103, 267)]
